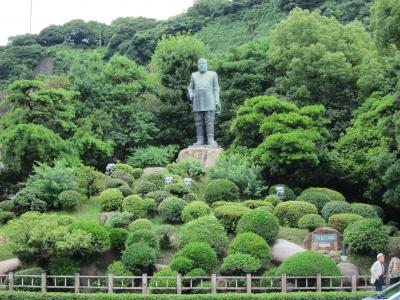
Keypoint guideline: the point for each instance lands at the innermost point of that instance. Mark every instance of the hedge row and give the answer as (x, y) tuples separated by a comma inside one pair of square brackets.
[(227, 296)]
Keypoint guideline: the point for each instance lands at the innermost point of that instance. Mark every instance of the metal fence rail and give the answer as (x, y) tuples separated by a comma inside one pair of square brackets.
[(183, 284)]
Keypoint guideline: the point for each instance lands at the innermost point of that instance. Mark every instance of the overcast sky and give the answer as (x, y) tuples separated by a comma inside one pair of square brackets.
[(14, 14)]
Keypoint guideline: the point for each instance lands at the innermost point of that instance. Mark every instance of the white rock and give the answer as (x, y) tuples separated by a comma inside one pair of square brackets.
[(9, 265), (283, 249)]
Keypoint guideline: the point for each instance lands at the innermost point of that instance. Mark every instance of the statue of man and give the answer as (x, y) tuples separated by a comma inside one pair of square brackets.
[(204, 94)]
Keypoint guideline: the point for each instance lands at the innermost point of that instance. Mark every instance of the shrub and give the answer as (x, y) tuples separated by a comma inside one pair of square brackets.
[(125, 190), (165, 233), (220, 203), (138, 207), (111, 199), (334, 195), (144, 187), (7, 205), (145, 236), (230, 214), (140, 224), (318, 199), (117, 268), (157, 282), (92, 182), (177, 189), (257, 203), (308, 263), (252, 244), (261, 222), (273, 199), (113, 183), (63, 266), (158, 195), (393, 247), (196, 272), (181, 264), (367, 236), (195, 210), (124, 176), (137, 173), (30, 271), (334, 208), (69, 199), (379, 210), (137, 257), (342, 221), (158, 179), (124, 168), (289, 194), (28, 199), (118, 238), (187, 167), (364, 210), (290, 212), (119, 220), (221, 190), (150, 206), (240, 264), (152, 156), (191, 197), (202, 255), (170, 209), (6, 216), (311, 222), (205, 229)]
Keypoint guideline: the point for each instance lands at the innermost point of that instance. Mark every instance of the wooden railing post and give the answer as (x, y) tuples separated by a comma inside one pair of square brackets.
[(43, 283), (214, 283), (110, 282), (76, 283), (319, 283), (248, 283), (145, 289), (283, 283), (11, 281), (179, 284), (354, 283)]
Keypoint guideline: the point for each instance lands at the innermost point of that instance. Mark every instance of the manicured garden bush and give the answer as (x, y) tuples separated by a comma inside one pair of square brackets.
[(158, 179), (138, 257), (150, 207), (118, 238), (205, 229), (137, 173), (202, 255), (170, 209), (158, 281), (117, 268), (290, 212), (124, 168), (63, 266), (113, 183), (334, 208), (152, 156), (257, 203), (140, 224), (69, 199), (367, 236), (177, 189), (111, 199), (393, 247), (191, 197), (230, 214), (119, 220), (379, 210), (138, 207), (165, 233), (7, 205), (125, 190), (318, 199), (311, 222), (158, 196), (364, 210), (219, 203), (144, 236), (342, 221), (240, 264), (126, 177), (289, 194), (187, 167), (334, 195), (221, 190), (181, 264), (261, 222), (252, 244), (273, 199), (144, 187), (195, 210), (6, 216)]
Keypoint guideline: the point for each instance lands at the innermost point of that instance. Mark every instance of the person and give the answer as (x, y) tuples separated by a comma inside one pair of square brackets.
[(378, 272), (204, 93), (394, 270)]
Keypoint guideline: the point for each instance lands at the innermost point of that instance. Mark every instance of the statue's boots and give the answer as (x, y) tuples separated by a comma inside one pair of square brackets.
[(199, 122), (209, 120)]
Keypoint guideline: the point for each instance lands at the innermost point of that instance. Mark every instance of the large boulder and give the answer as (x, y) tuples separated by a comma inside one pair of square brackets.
[(283, 249), (347, 270), (9, 265)]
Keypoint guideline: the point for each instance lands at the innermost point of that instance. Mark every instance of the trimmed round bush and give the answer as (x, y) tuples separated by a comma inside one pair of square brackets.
[(6, 216), (138, 257), (113, 183), (341, 221), (257, 203), (311, 222), (7, 205), (111, 199), (126, 177), (334, 195), (318, 199), (334, 208), (69, 199), (289, 194), (119, 220), (379, 210), (63, 266), (240, 264), (195, 210), (230, 214), (99, 236), (138, 207), (221, 190), (118, 237), (261, 222), (196, 272), (158, 281), (290, 212), (252, 244), (191, 197), (364, 210), (123, 167), (220, 203), (158, 179), (125, 190), (140, 224), (202, 255), (170, 209), (165, 233), (205, 229), (181, 264), (150, 207), (117, 268), (177, 189), (137, 173), (308, 263), (273, 199), (145, 236), (158, 196), (367, 236), (144, 187)]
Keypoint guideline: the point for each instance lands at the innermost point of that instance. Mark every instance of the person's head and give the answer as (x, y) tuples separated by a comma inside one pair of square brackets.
[(202, 65), (381, 257)]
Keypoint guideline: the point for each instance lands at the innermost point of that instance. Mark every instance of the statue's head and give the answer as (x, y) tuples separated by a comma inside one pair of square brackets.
[(202, 65)]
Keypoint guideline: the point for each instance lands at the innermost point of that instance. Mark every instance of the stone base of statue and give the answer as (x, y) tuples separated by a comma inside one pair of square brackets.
[(206, 154)]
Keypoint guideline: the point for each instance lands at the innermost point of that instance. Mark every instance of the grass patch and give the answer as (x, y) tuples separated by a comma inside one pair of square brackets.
[(295, 235)]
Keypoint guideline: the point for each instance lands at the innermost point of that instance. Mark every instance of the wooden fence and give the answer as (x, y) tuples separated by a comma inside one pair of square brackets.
[(183, 284)]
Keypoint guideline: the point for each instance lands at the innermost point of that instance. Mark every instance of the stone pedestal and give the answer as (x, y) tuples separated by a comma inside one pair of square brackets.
[(207, 155)]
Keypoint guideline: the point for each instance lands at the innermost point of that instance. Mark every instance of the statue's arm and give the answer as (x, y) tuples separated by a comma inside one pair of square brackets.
[(216, 92), (191, 88)]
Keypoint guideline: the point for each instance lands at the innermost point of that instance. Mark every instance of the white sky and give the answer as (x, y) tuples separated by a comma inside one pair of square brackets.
[(14, 14)]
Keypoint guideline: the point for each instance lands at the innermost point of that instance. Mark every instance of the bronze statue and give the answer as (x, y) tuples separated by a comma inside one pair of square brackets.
[(204, 94)]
